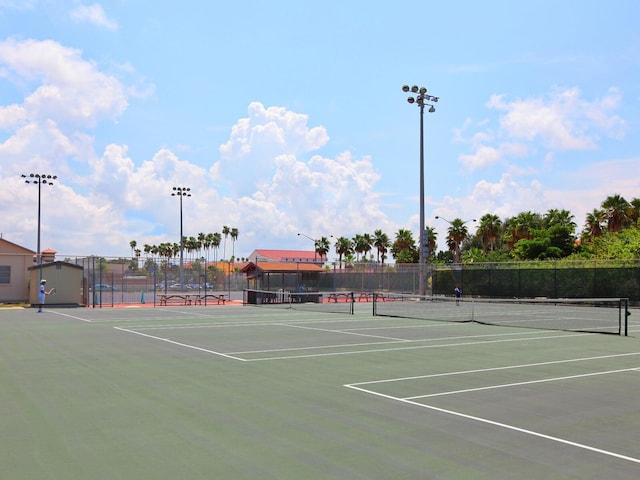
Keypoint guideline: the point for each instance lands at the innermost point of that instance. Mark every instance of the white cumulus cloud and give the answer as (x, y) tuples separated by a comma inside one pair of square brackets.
[(93, 14)]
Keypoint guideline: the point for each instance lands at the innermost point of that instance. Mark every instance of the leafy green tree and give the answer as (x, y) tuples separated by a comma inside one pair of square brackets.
[(519, 227)]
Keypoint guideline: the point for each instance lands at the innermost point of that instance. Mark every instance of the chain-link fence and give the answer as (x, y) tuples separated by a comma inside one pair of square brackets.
[(116, 280), (109, 281)]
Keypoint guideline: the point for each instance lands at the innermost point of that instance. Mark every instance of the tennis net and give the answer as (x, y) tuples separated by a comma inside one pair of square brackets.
[(329, 302), (597, 315)]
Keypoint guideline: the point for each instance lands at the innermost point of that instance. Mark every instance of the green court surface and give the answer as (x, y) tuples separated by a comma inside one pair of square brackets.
[(243, 392)]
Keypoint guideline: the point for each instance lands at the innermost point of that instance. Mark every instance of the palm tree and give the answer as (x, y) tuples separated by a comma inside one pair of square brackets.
[(366, 244), (635, 211), (517, 228), (432, 243), (358, 245), (404, 247), (489, 231), (594, 223), (133, 245), (344, 247), (202, 239), (555, 217), (215, 243), (456, 234), (225, 231), (322, 247), (382, 243), (234, 236), (618, 210)]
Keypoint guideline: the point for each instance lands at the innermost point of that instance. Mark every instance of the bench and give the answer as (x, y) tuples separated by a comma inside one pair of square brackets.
[(175, 298), (219, 298)]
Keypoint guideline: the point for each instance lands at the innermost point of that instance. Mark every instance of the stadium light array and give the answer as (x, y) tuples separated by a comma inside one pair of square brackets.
[(419, 96), (39, 179), (181, 192)]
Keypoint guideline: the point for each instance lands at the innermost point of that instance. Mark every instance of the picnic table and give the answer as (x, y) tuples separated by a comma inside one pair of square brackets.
[(336, 296), (181, 298), (191, 299), (365, 296), (219, 298)]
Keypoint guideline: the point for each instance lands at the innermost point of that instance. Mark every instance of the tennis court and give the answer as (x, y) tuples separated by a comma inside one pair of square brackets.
[(245, 392)]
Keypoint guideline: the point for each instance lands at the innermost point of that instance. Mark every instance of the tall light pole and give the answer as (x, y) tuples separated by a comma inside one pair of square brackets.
[(181, 192), (420, 97), (39, 179)]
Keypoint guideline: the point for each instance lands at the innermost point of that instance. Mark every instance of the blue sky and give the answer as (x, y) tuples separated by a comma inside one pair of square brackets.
[(286, 117)]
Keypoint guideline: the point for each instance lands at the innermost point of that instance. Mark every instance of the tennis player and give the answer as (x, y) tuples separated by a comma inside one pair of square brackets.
[(42, 294)]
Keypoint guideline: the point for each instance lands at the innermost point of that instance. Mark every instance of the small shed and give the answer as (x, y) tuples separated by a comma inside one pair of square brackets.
[(65, 277), (283, 275)]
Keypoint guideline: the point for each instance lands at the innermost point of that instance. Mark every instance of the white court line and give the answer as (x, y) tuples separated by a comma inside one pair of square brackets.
[(403, 341), (416, 347), (499, 424), (356, 352), (69, 316), (185, 345), (495, 369), (517, 384), (344, 332)]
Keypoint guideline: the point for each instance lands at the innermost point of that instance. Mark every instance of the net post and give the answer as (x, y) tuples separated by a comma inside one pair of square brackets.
[(626, 315), (375, 301)]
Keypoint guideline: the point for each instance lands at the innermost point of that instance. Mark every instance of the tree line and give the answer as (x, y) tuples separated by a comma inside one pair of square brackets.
[(611, 231), (203, 244)]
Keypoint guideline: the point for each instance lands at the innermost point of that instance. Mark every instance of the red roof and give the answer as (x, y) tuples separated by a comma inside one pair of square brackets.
[(289, 255), (282, 267)]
